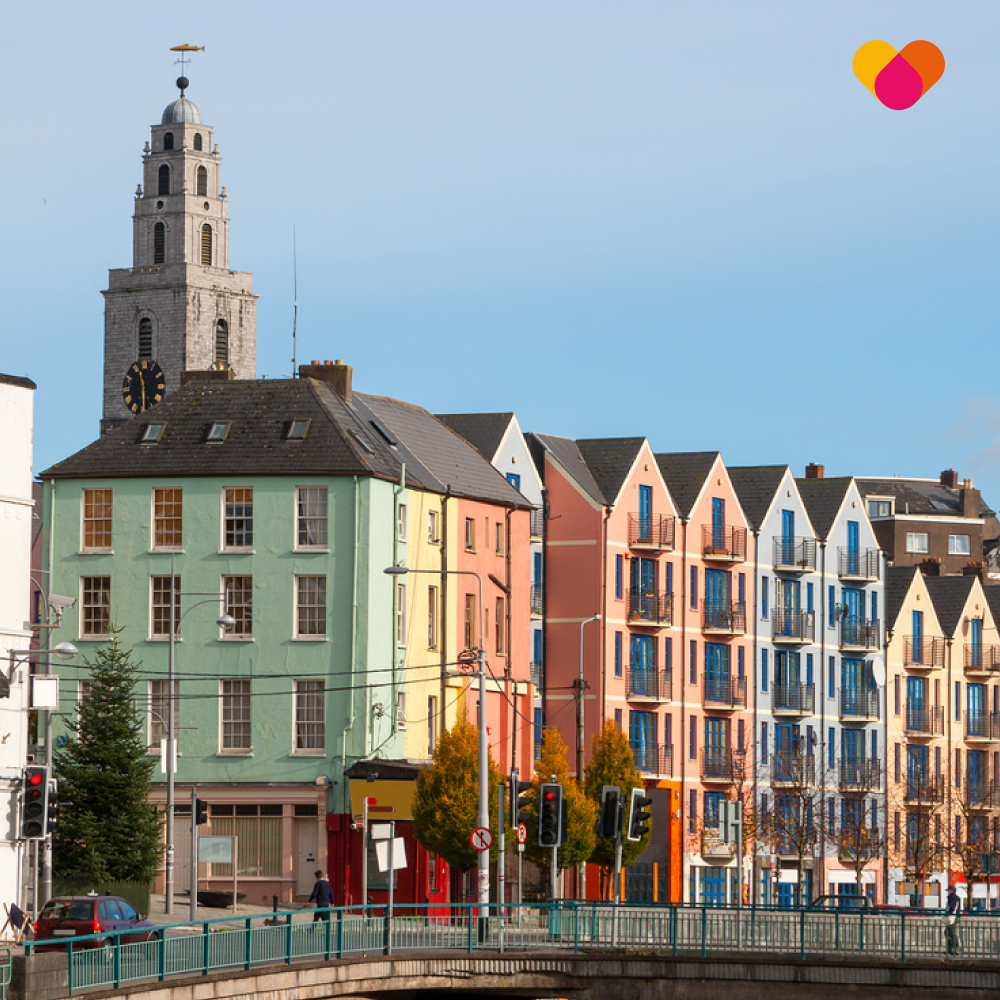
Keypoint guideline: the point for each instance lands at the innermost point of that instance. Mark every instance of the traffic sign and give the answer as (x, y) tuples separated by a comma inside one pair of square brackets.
[(522, 833), (481, 838)]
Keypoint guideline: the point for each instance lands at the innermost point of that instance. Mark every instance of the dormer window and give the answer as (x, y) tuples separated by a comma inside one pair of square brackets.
[(384, 432), (197, 141), (153, 433), (880, 506), (168, 140), (218, 431), (297, 430)]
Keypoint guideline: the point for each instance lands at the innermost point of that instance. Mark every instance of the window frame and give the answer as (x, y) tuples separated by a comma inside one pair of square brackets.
[(88, 500), (84, 606), (159, 514), (244, 692), (162, 700), (245, 609), (310, 636), (401, 614), (308, 522), (433, 527), (432, 617), (303, 691), (470, 534), (239, 502), (160, 583), (912, 548), (401, 522), (954, 551)]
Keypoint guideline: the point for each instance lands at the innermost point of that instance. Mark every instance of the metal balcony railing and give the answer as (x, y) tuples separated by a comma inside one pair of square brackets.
[(722, 691), (648, 607), (924, 789), (922, 651), (794, 555), (653, 759), (982, 659), (793, 768), (793, 626), (645, 682), (536, 673), (655, 531), (858, 564), (980, 793), (723, 543), (982, 726), (858, 703), (537, 598), (860, 775), (726, 617), (537, 522), (924, 720), (861, 633), (716, 764), (538, 750), (795, 699)]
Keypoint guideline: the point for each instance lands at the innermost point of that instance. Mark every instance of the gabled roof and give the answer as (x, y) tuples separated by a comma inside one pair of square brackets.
[(992, 591), (898, 580), (756, 486), (920, 496), (609, 461), (949, 595), (484, 431), (685, 473), (567, 453), (823, 499)]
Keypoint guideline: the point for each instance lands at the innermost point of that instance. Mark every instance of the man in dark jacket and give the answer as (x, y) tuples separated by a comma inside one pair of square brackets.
[(952, 910), (322, 896)]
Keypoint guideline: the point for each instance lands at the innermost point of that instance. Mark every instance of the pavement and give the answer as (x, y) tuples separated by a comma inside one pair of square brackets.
[(182, 911)]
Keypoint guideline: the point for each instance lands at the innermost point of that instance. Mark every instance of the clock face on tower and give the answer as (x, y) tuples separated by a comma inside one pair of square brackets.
[(144, 386)]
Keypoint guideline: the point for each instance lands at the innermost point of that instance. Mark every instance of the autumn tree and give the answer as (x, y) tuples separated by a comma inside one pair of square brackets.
[(917, 808), (446, 797), (859, 837)]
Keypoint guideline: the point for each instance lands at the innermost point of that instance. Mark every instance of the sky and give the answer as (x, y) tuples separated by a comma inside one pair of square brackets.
[(684, 219)]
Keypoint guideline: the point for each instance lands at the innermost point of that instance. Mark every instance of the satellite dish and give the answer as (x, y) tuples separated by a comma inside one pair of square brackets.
[(878, 673)]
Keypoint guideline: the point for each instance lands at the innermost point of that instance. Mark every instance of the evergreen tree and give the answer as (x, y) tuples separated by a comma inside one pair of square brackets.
[(107, 829), (446, 798)]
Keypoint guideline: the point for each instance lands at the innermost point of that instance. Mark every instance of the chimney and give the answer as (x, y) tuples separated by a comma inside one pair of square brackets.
[(814, 471), (335, 374), (975, 569), (969, 499), (931, 566), (949, 478), (209, 375)]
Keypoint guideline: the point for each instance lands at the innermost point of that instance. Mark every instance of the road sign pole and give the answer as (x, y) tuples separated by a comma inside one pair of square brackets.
[(364, 857), (553, 891), (392, 881), (501, 874)]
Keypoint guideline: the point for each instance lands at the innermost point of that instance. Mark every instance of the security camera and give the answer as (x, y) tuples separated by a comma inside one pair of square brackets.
[(58, 601)]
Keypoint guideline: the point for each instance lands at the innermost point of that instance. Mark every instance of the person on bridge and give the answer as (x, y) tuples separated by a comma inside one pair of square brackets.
[(952, 910), (322, 895)]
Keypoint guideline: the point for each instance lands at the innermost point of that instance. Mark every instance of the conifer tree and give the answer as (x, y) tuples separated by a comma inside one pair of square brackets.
[(107, 829)]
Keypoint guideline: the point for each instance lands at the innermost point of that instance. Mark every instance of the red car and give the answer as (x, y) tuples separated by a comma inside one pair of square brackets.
[(79, 916)]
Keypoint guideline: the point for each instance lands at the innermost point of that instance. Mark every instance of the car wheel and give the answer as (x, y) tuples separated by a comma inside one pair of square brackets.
[(107, 950), (153, 936)]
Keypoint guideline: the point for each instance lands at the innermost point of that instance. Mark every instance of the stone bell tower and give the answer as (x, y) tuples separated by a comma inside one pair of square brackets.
[(179, 304)]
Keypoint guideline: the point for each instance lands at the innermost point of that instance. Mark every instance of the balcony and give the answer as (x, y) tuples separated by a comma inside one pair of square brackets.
[(794, 555), (858, 705), (716, 764), (537, 524), (860, 775), (538, 749), (647, 684), (924, 720), (980, 659), (859, 633), (649, 608), (793, 699), (723, 618), (860, 565), (924, 790), (793, 627), (982, 726), (653, 760), (980, 793), (720, 691), (651, 531), (793, 768), (720, 543), (920, 651), (537, 599), (536, 673)]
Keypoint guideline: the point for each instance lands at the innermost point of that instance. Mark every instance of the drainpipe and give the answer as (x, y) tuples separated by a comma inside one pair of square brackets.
[(752, 675), (601, 653), (444, 608), (349, 727), (824, 681), (545, 612), (397, 492), (510, 681), (684, 721), (950, 762)]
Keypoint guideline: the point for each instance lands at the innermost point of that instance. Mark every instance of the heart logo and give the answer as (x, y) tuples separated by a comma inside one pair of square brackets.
[(898, 79)]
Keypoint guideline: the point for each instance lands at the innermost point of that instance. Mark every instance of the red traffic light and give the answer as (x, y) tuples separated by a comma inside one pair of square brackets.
[(549, 796), (34, 779)]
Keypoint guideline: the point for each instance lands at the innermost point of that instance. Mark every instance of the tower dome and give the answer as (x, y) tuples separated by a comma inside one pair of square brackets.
[(181, 110)]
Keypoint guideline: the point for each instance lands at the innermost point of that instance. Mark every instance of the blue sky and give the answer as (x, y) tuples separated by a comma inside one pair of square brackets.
[(686, 220)]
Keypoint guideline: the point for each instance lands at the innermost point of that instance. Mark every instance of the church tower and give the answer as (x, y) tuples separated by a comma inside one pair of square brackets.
[(178, 306)]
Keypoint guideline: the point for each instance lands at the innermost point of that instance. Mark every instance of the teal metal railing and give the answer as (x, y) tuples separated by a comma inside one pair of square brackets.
[(110, 959)]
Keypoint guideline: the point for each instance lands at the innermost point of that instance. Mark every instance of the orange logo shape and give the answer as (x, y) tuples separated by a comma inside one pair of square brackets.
[(898, 79)]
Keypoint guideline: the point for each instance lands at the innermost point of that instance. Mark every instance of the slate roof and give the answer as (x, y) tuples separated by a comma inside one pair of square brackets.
[(756, 486), (919, 496), (823, 499), (567, 453), (609, 461), (897, 586), (685, 473), (992, 591), (18, 380), (949, 594), (484, 431)]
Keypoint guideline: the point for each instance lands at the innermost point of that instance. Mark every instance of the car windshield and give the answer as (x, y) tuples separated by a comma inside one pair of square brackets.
[(67, 909)]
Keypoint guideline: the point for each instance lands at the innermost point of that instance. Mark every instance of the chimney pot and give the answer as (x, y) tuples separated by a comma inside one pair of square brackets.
[(814, 471), (337, 376), (931, 566), (315, 362), (949, 478), (329, 362)]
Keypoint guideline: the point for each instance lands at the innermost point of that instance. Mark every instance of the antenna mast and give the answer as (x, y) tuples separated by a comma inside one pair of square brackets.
[(295, 301)]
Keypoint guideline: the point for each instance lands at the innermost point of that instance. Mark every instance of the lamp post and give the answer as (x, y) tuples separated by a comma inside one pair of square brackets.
[(484, 773), (579, 740), (224, 621)]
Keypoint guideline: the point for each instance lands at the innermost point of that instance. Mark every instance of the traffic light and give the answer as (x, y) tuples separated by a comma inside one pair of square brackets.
[(53, 806), (519, 802), (609, 820), (638, 819), (200, 811), (34, 804), (550, 814)]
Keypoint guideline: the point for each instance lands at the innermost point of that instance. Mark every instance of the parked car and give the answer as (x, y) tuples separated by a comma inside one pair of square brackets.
[(854, 904), (65, 917)]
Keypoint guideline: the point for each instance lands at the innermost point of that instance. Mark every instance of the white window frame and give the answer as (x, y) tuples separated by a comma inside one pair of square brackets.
[(160, 699), (301, 518), (432, 617), (223, 546), (84, 520), (234, 632), (304, 703), (433, 527), (153, 547), (401, 710), (431, 724), (470, 534), (877, 499), (400, 614), (84, 607), (296, 608), (910, 545), (153, 606), (224, 696), (953, 549), (401, 522)]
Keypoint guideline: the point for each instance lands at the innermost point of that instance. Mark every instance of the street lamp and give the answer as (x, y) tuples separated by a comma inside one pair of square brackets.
[(579, 740), (484, 773)]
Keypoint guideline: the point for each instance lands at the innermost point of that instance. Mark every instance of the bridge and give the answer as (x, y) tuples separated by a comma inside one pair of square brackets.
[(577, 950)]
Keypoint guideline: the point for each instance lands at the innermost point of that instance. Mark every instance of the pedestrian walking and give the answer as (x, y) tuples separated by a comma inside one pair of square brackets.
[(322, 896), (952, 911)]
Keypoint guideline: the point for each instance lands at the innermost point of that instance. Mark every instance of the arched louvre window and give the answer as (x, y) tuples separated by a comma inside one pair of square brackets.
[(222, 341), (168, 140), (206, 244), (202, 182), (145, 339), (197, 141), (159, 243), (164, 178)]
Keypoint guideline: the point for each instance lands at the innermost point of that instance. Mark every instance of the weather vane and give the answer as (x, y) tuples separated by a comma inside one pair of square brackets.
[(182, 49)]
